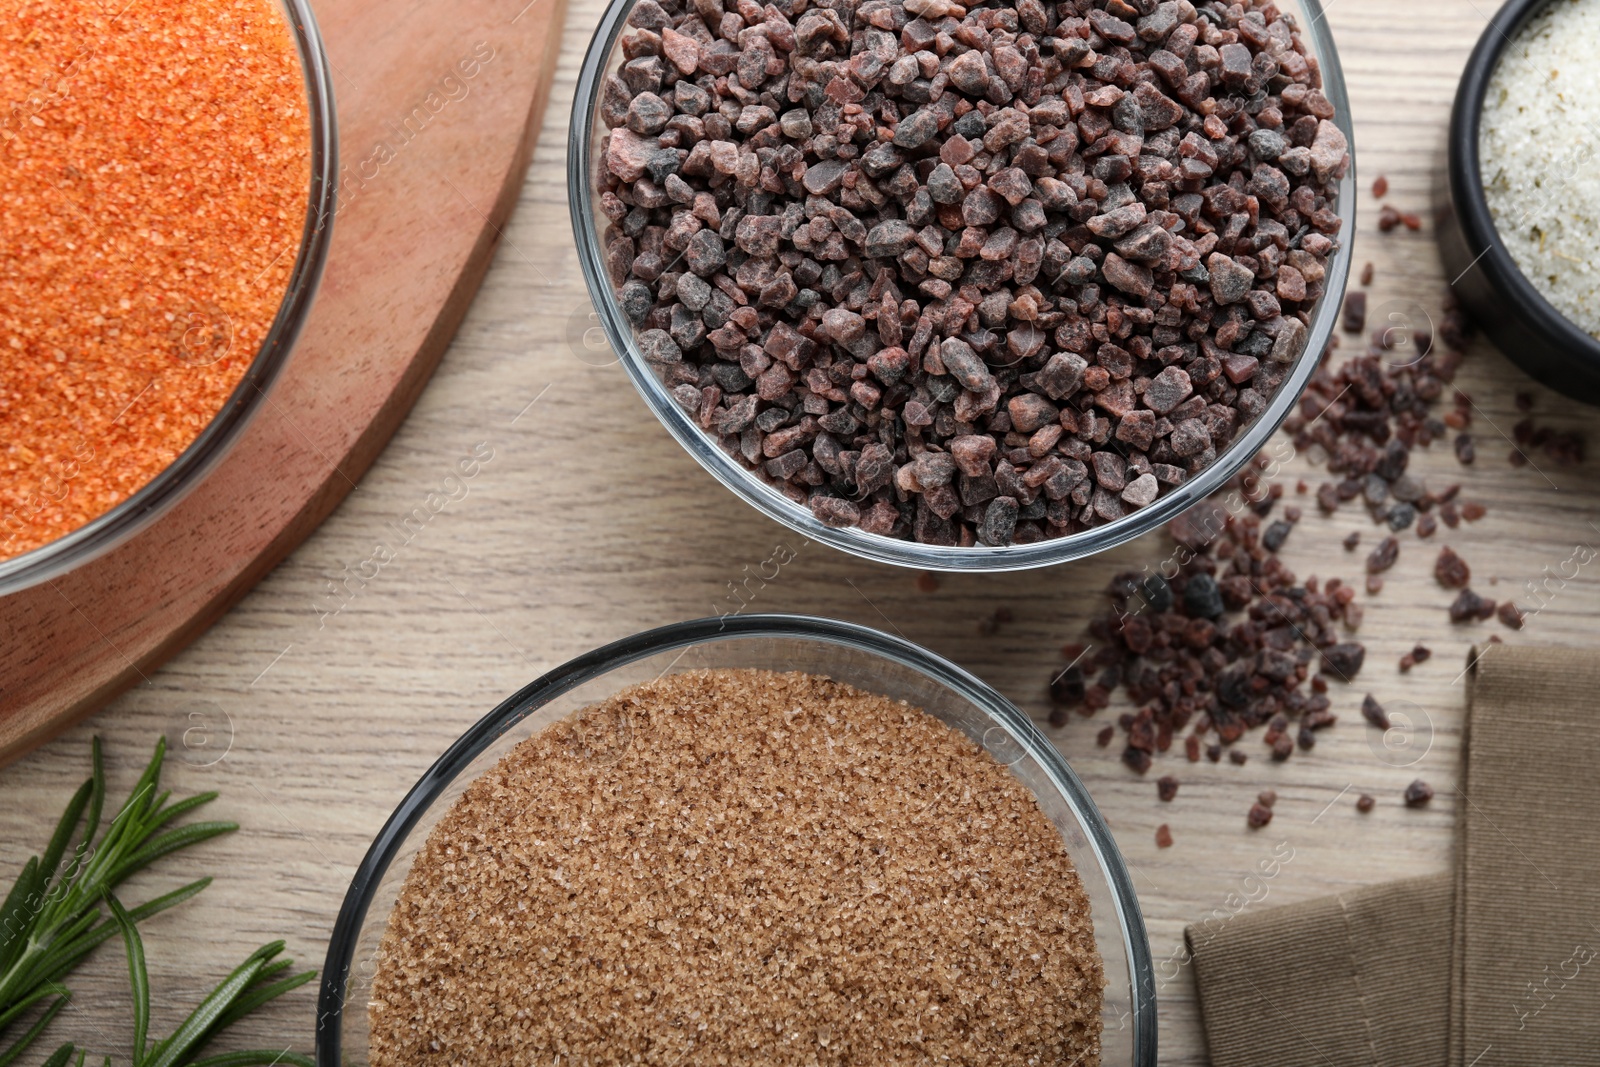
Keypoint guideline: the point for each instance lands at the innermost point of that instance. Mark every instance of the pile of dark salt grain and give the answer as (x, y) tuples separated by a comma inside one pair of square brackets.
[(1452, 572), (1233, 641), (1563, 447), (956, 275), (1367, 416), (1227, 644)]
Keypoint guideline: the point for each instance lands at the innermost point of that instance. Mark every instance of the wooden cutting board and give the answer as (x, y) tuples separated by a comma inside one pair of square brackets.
[(414, 233)]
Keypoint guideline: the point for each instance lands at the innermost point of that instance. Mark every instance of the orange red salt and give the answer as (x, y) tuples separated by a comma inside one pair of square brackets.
[(154, 176)]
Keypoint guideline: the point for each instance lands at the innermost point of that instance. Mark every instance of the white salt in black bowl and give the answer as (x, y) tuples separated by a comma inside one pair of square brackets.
[(1486, 279)]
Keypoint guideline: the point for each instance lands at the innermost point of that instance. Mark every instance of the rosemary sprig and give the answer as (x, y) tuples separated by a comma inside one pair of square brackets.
[(48, 924), (252, 984)]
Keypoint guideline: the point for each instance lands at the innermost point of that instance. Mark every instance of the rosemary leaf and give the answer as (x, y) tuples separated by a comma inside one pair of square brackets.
[(250, 985), (138, 974), (190, 1033), (49, 990), (70, 952), (9, 1055), (260, 994), (13, 916), (51, 918), (62, 1056), (64, 830), (171, 841), (255, 1058)]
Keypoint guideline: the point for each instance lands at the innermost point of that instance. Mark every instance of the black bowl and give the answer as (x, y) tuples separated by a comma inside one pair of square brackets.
[(1487, 282)]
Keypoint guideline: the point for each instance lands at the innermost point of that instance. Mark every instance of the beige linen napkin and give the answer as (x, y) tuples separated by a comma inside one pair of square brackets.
[(1496, 964)]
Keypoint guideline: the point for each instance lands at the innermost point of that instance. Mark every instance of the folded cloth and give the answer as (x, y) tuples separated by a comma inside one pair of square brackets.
[(1493, 965)]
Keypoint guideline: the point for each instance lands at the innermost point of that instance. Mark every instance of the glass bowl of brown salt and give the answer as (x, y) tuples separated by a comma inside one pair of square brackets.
[(134, 366), (600, 726), (965, 289)]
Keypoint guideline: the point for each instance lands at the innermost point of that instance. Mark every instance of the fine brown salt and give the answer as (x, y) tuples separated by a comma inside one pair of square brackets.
[(775, 869)]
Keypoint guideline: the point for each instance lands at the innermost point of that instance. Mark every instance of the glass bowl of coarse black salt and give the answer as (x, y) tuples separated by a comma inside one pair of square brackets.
[(1520, 225), (960, 288), (755, 839)]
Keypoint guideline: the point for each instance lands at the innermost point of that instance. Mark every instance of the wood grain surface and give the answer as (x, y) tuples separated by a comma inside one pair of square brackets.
[(588, 523), (439, 106)]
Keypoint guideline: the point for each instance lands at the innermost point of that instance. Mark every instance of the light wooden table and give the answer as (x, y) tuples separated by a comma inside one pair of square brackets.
[(589, 524)]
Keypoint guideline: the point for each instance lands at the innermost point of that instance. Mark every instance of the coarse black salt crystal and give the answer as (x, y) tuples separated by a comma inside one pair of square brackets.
[(1276, 534), (1201, 597), (1383, 557), (1157, 593), (1355, 311), (657, 346), (1418, 793), (1067, 688), (1469, 606), (1167, 390), (1451, 570), (1344, 659)]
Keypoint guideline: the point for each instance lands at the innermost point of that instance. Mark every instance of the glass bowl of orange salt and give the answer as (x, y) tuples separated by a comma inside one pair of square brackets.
[(164, 209)]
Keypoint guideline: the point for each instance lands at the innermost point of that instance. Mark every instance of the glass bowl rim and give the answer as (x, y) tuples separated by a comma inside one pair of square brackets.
[(749, 486), (598, 662), (172, 483)]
